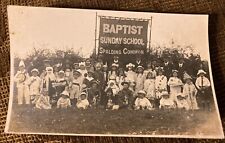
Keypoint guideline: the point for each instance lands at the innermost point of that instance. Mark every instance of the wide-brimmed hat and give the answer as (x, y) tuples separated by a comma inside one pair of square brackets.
[(35, 70), (130, 65), (115, 65), (142, 92), (76, 72), (140, 66), (174, 71), (187, 76), (82, 64), (65, 93), (76, 64), (49, 69), (83, 93), (165, 93), (112, 77), (61, 72), (201, 71)]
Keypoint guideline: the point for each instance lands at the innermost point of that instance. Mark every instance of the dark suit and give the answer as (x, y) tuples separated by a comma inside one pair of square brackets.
[(167, 69), (181, 70)]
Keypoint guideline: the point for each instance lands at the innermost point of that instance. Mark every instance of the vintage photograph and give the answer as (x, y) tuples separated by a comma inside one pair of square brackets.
[(110, 73)]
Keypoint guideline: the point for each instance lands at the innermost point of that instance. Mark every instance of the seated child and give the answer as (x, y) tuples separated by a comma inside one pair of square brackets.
[(125, 97), (182, 102), (110, 99), (88, 79), (94, 94), (166, 102), (82, 103), (43, 100), (142, 102), (64, 100), (113, 86)]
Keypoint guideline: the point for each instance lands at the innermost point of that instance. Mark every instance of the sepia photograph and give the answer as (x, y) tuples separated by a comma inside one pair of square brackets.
[(89, 72)]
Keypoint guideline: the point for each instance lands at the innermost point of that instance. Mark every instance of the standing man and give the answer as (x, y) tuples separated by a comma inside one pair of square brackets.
[(181, 68), (167, 67), (99, 77)]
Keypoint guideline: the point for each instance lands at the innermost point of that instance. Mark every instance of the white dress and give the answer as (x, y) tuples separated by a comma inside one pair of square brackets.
[(160, 85), (190, 91), (183, 104), (130, 76), (35, 85), (142, 103), (83, 104), (149, 87), (63, 103), (43, 102), (166, 103), (175, 87), (139, 82)]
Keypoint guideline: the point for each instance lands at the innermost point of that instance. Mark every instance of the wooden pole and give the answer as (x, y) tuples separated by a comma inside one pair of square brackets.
[(96, 19)]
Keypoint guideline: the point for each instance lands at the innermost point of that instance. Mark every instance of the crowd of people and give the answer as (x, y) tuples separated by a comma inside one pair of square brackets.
[(114, 86)]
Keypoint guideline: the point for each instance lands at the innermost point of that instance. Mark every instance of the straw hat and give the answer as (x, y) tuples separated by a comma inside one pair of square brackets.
[(65, 93), (35, 70), (141, 92), (130, 65), (187, 76), (201, 71)]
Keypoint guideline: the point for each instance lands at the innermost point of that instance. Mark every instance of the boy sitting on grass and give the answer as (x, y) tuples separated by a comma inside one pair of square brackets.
[(83, 103), (64, 100), (142, 102), (182, 102), (94, 94), (166, 102), (110, 99), (125, 97), (43, 100)]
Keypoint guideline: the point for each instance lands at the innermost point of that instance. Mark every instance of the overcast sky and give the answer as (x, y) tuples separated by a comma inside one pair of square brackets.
[(61, 28)]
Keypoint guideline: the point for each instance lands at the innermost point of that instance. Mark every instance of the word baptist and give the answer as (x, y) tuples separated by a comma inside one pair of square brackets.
[(122, 29)]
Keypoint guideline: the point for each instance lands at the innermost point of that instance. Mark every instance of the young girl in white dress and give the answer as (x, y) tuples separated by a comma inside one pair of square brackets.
[(130, 74), (140, 79), (190, 91), (120, 78), (149, 86), (175, 85)]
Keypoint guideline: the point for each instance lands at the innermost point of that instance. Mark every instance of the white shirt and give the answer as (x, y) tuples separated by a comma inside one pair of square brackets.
[(202, 82), (142, 102), (35, 84), (83, 104), (166, 103), (161, 82), (63, 102)]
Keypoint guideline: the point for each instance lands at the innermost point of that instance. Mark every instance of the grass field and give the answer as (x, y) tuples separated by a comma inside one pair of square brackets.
[(100, 121)]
